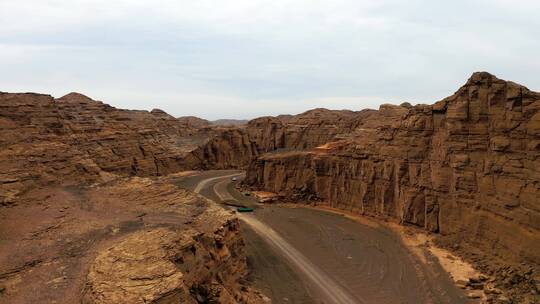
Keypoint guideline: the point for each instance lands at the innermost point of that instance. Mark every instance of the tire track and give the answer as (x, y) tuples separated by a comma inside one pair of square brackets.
[(330, 290)]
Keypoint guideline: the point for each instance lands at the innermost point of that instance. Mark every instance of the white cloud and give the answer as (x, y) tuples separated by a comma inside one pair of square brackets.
[(241, 58)]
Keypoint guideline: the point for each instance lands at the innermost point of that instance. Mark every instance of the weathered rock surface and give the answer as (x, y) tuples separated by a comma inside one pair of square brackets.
[(467, 167), (75, 139), (135, 240), (71, 221), (236, 147), (173, 266)]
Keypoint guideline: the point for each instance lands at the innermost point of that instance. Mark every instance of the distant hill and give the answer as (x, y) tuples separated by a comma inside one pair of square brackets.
[(229, 122), (193, 121)]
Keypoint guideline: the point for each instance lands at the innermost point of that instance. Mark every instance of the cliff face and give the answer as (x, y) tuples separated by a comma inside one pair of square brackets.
[(466, 166), (80, 227), (227, 148), (76, 139), (236, 147), (307, 130)]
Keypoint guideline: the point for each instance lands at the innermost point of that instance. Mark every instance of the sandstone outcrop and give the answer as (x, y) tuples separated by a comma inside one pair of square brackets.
[(307, 130), (466, 167), (166, 265), (130, 240), (75, 139), (236, 147), (74, 223)]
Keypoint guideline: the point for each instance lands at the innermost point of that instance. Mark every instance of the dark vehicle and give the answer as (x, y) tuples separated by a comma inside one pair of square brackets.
[(244, 209)]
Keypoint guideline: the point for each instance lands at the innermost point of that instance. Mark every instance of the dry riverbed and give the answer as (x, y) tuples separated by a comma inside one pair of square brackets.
[(363, 259)]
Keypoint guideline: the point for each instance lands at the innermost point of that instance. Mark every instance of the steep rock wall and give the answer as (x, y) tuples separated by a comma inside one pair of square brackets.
[(466, 166), (236, 147), (75, 139)]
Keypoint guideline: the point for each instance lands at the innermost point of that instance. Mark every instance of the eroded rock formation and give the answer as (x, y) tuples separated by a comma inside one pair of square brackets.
[(75, 139), (165, 265), (75, 227), (130, 240), (467, 167), (237, 147)]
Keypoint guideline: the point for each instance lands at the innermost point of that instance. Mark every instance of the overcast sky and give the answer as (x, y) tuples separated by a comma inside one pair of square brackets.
[(247, 58)]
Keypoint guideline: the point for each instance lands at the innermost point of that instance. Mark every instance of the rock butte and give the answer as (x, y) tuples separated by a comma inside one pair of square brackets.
[(465, 168)]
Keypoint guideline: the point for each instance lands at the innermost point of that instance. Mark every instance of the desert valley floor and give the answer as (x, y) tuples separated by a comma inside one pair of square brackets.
[(434, 203)]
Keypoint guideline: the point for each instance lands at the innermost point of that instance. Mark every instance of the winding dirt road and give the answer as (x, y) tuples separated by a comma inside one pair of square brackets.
[(301, 255), (328, 288)]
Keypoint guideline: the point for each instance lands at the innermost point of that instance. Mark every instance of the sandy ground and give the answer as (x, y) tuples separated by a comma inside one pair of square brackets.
[(323, 257), (418, 241)]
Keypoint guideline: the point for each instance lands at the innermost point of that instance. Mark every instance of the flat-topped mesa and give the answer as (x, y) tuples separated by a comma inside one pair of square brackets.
[(467, 166)]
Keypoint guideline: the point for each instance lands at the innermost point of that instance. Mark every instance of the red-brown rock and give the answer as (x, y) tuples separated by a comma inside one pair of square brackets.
[(467, 166)]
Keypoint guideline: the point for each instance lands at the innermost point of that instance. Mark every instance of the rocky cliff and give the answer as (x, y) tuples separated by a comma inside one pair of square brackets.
[(467, 167), (201, 263), (77, 226), (236, 147), (75, 139)]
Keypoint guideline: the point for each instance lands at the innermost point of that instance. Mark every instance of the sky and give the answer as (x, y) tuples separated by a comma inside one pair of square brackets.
[(248, 58)]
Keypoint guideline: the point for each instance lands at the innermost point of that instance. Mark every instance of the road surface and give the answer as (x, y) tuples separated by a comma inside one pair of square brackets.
[(301, 255)]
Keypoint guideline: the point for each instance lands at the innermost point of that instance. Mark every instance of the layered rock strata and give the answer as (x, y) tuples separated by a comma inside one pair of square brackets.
[(75, 139), (135, 240), (72, 224), (236, 147), (467, 167)]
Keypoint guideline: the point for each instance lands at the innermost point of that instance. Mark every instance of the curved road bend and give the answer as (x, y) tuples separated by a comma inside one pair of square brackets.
[(328, 258)]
